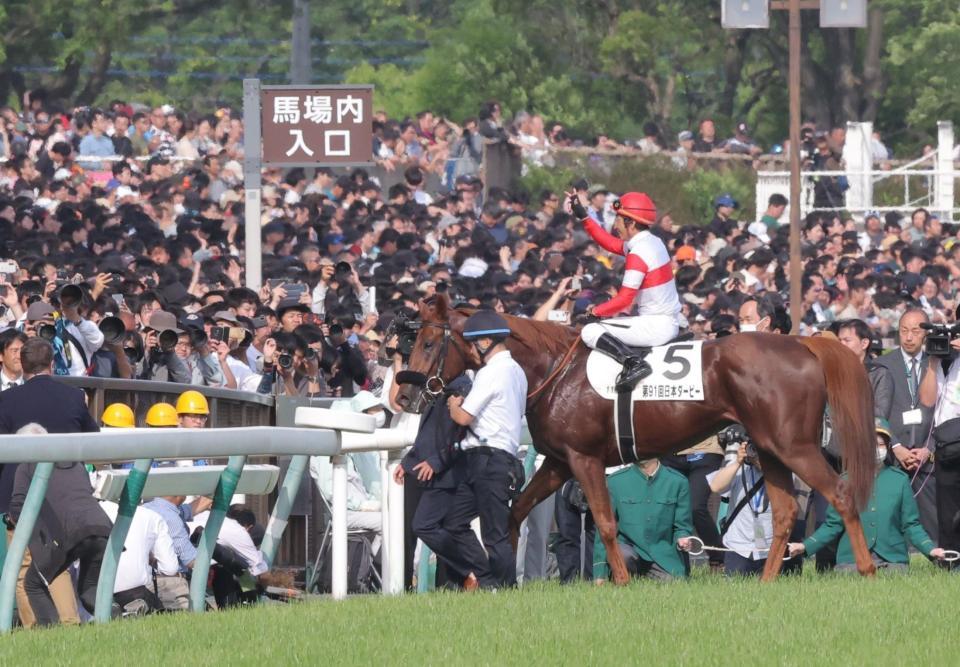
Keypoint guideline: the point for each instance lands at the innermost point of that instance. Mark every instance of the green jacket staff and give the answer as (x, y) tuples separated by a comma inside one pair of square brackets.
[(653, 514), (889, 520)]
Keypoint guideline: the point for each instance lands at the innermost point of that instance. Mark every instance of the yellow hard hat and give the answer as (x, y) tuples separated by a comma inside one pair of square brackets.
[(162, 414), (118, 415), (192, 403)]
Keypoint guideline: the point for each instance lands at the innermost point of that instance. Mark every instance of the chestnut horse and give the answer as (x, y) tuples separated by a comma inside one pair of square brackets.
[(776, 386)]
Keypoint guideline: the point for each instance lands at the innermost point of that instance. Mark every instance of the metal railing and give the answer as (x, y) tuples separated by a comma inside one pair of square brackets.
[(146, 445)]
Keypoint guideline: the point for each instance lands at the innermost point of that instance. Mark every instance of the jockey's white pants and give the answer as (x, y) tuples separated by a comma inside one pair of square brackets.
[(640, 331)]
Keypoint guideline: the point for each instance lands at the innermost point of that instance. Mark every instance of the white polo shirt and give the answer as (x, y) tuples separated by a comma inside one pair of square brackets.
[(497, 402), (148, 535), (235, 536)]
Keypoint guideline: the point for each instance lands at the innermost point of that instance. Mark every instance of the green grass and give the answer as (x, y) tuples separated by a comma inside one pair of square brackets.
[(809, 620)]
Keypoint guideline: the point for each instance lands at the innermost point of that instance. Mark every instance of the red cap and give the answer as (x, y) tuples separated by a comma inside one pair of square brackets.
[(685, 253), (638, 207)]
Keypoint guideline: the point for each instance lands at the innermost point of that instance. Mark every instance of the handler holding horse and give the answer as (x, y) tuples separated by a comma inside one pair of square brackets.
[(776, 386)]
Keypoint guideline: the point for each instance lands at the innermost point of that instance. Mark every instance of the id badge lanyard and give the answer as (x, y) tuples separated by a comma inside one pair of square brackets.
[(759, 504)]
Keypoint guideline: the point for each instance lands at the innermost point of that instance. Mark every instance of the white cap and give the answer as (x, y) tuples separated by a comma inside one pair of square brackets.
[(759, 230)]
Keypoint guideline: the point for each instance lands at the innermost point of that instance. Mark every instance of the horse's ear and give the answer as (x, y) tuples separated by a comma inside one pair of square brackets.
[(441, 306), (434, 307)]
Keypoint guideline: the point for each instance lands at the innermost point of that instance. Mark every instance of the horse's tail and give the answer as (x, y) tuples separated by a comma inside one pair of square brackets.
[(850, 396)]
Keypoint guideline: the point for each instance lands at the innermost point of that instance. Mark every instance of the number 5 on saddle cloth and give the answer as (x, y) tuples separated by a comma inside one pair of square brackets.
[(677, 376)]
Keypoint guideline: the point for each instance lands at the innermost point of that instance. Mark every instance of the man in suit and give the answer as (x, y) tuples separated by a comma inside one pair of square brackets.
[(59, 409), (910, 420)]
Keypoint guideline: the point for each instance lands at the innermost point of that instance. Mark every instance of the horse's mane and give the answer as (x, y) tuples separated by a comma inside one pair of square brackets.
[(536, 335)]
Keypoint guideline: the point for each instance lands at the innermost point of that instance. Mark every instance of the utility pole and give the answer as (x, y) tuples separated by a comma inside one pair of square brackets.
[(300, 56), (741, 14)]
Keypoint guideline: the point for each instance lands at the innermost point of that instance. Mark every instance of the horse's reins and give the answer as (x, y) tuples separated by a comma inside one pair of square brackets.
[(561, 365)]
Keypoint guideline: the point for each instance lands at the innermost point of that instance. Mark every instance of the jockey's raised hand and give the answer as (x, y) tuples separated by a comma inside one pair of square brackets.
[(576, 206)]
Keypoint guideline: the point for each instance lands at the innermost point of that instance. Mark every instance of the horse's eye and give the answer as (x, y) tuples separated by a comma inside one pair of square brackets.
[(427, 345)]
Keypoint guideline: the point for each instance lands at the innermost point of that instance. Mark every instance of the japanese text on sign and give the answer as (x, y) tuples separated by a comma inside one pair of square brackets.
[(317, 126)]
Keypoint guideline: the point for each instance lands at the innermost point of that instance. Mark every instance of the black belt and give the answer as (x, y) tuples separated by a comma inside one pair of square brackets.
[(487, 451)]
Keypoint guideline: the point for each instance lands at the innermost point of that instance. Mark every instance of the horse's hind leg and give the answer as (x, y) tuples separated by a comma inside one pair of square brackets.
[(778, 482), (808, 463), (590, 472), (546, 480)]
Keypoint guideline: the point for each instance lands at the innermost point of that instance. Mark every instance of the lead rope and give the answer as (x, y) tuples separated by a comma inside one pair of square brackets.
[(700, 549)]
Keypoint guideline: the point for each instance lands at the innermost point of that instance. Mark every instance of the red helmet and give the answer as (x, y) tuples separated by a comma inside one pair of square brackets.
[(637, 206)]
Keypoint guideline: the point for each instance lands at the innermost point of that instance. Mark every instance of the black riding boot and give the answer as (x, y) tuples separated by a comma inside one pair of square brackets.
[(634, 366)]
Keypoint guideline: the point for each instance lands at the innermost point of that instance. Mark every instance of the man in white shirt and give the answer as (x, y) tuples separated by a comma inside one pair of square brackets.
[(235, 536), (147, 538), (492, 475), (11, 372), (943, 393)]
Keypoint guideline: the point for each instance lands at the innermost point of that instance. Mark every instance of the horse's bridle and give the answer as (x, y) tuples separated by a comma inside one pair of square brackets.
[(435, 384)]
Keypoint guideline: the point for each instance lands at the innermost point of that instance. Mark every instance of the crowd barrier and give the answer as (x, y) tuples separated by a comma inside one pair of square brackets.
[(325, 433)]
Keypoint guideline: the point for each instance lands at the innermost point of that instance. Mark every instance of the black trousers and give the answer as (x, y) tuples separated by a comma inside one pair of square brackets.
[(696, 473), (124, 598), (444, 522), (89, 552), (925, 486), (571, 527), (414, 497), (948, 504)]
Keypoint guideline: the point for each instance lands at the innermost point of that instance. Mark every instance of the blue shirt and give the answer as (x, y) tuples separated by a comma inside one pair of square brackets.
[(101, 146), (177, 526)]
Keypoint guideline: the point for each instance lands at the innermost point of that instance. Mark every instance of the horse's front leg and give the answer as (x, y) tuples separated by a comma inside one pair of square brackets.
[(590, 472)]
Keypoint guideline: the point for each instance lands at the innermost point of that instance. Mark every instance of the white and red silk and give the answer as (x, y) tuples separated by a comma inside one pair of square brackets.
[(648, 275)]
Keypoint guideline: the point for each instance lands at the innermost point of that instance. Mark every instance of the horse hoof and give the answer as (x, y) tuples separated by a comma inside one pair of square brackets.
[(870, 571)]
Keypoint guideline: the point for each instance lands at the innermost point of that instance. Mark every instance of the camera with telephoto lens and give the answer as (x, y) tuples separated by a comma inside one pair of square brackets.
[(733, 436), (285, 361), (938, 339), (730, 440), (47, 331), (406, 332), (166, 341)]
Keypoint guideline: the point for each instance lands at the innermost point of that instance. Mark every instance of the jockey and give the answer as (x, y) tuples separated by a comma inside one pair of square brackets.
[(647, 281)]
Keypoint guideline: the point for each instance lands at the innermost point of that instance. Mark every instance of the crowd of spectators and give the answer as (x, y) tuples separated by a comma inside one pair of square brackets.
[(120, 244), (145, 224)]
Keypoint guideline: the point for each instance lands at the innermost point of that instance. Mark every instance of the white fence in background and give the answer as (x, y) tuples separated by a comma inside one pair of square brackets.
[(928, 182)]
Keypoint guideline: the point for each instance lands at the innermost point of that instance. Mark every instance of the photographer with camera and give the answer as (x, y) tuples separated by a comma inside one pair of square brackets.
[(295, 363), (343, 291), (160, 342), (911, 418), (940, 391), (747, 530), (80, 338), (351, 368), (199, 354)]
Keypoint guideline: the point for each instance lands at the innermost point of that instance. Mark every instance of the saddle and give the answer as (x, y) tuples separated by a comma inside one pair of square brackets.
[(681, 337)]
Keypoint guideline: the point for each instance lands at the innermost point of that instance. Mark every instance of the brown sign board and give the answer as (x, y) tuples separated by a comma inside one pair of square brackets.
[(308, 126)]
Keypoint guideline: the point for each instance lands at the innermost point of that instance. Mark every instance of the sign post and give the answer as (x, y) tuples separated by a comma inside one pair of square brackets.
[(251, 183), (299, 126), (741, 14)]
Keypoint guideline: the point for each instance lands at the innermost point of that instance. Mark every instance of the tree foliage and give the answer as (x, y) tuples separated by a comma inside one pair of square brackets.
[(595, 65)]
